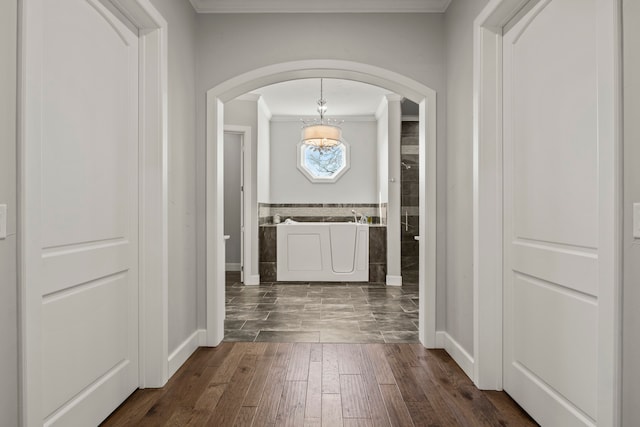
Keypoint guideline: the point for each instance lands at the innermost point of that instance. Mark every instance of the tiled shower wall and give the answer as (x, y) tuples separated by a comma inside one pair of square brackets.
[(410, 201)]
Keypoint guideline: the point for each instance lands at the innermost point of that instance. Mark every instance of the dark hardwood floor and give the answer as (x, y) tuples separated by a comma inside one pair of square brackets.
[(312, 384)]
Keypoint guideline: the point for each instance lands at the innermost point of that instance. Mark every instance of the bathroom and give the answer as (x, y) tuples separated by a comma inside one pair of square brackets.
[(374, 181)]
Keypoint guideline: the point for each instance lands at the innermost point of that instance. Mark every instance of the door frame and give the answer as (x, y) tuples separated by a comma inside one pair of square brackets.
[(488, 197), (153, 206), (247, 213), (239, 85)]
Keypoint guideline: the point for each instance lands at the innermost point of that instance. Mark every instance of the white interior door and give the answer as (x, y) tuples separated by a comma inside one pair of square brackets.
[(82, 207), (553, 175), (233, 201)]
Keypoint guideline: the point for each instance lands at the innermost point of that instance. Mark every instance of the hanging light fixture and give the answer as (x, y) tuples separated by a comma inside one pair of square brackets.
[(324, 133)]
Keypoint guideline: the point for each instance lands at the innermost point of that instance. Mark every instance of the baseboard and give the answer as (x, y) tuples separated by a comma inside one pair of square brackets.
[(252, 280), (186, 349), (457, 353), (394, 280), (232, 266)]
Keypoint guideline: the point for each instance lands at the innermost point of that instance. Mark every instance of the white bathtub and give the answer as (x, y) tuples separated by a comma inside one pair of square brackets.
[(323, 252)]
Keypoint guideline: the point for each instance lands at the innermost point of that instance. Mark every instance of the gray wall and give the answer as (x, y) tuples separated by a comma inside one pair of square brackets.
[(409, 44), (181, 20), (232, 199), (631, 286), (459, 47), (263, 152), (8, 282), (358, 185)]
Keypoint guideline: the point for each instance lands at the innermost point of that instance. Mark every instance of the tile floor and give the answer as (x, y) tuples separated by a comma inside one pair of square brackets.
[(321, 312)]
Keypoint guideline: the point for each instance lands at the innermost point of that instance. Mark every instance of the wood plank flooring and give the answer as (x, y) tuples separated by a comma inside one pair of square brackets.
[(311, 384)]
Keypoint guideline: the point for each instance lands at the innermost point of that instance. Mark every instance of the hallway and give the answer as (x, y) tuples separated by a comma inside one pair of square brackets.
[(302, 384)]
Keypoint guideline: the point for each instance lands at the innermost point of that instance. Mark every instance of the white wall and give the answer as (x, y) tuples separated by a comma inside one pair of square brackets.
[(631, 290), (358, 185), (244, 112), (181, 21), (8, 283), (232, 196), (264, 153), (459, 48), (408, 44)]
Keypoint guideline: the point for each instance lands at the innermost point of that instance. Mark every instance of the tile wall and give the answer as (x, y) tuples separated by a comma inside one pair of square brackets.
[(321, 212)]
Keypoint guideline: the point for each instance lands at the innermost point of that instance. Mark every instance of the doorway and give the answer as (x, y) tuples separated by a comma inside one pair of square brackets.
[(422, 95), (234, 202)]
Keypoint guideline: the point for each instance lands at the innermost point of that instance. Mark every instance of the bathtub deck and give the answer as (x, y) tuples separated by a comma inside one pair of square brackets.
[(321, 312)]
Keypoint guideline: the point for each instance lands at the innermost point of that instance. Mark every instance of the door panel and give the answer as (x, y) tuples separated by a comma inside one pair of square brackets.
[(553, 337), (88, 65), (88, 212), (83, 333), (551, 175)]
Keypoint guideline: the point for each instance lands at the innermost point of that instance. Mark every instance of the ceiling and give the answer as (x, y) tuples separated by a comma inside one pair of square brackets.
[(344, 97), (320, 6)]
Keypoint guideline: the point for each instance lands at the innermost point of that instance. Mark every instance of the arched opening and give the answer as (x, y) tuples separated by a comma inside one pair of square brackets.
[(226, 91)]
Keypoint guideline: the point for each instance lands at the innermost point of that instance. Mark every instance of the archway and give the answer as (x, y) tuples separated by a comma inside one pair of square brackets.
[(424, 96)]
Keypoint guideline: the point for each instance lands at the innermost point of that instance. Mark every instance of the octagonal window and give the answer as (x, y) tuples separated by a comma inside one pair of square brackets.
[(323, 165)]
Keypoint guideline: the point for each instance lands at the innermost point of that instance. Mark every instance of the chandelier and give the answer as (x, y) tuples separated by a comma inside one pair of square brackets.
[(324, 133)]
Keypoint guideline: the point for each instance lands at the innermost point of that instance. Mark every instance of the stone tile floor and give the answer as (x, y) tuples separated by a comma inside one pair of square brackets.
[(321, 312)]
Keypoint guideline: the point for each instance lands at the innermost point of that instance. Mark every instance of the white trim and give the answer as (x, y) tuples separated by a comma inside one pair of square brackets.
[(251, 280), (262, 104), (153, 280), (30, 52), (410, 118), (394, 280), (180, 355), (253, 97), (327, 6), (250, 209), (232, 266), (487, 193), (428, 222), (154, 246), (610, 208), (487, 211), (251, 80), (381, 108), (394, 97), (354, 118), (456, 351)]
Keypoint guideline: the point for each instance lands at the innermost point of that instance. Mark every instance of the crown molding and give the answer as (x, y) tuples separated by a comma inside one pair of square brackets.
[(326, 6), (346, 119)]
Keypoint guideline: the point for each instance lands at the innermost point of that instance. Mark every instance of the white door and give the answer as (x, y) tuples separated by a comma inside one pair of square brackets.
[(81, 196), (233, 201), (554, 171)]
